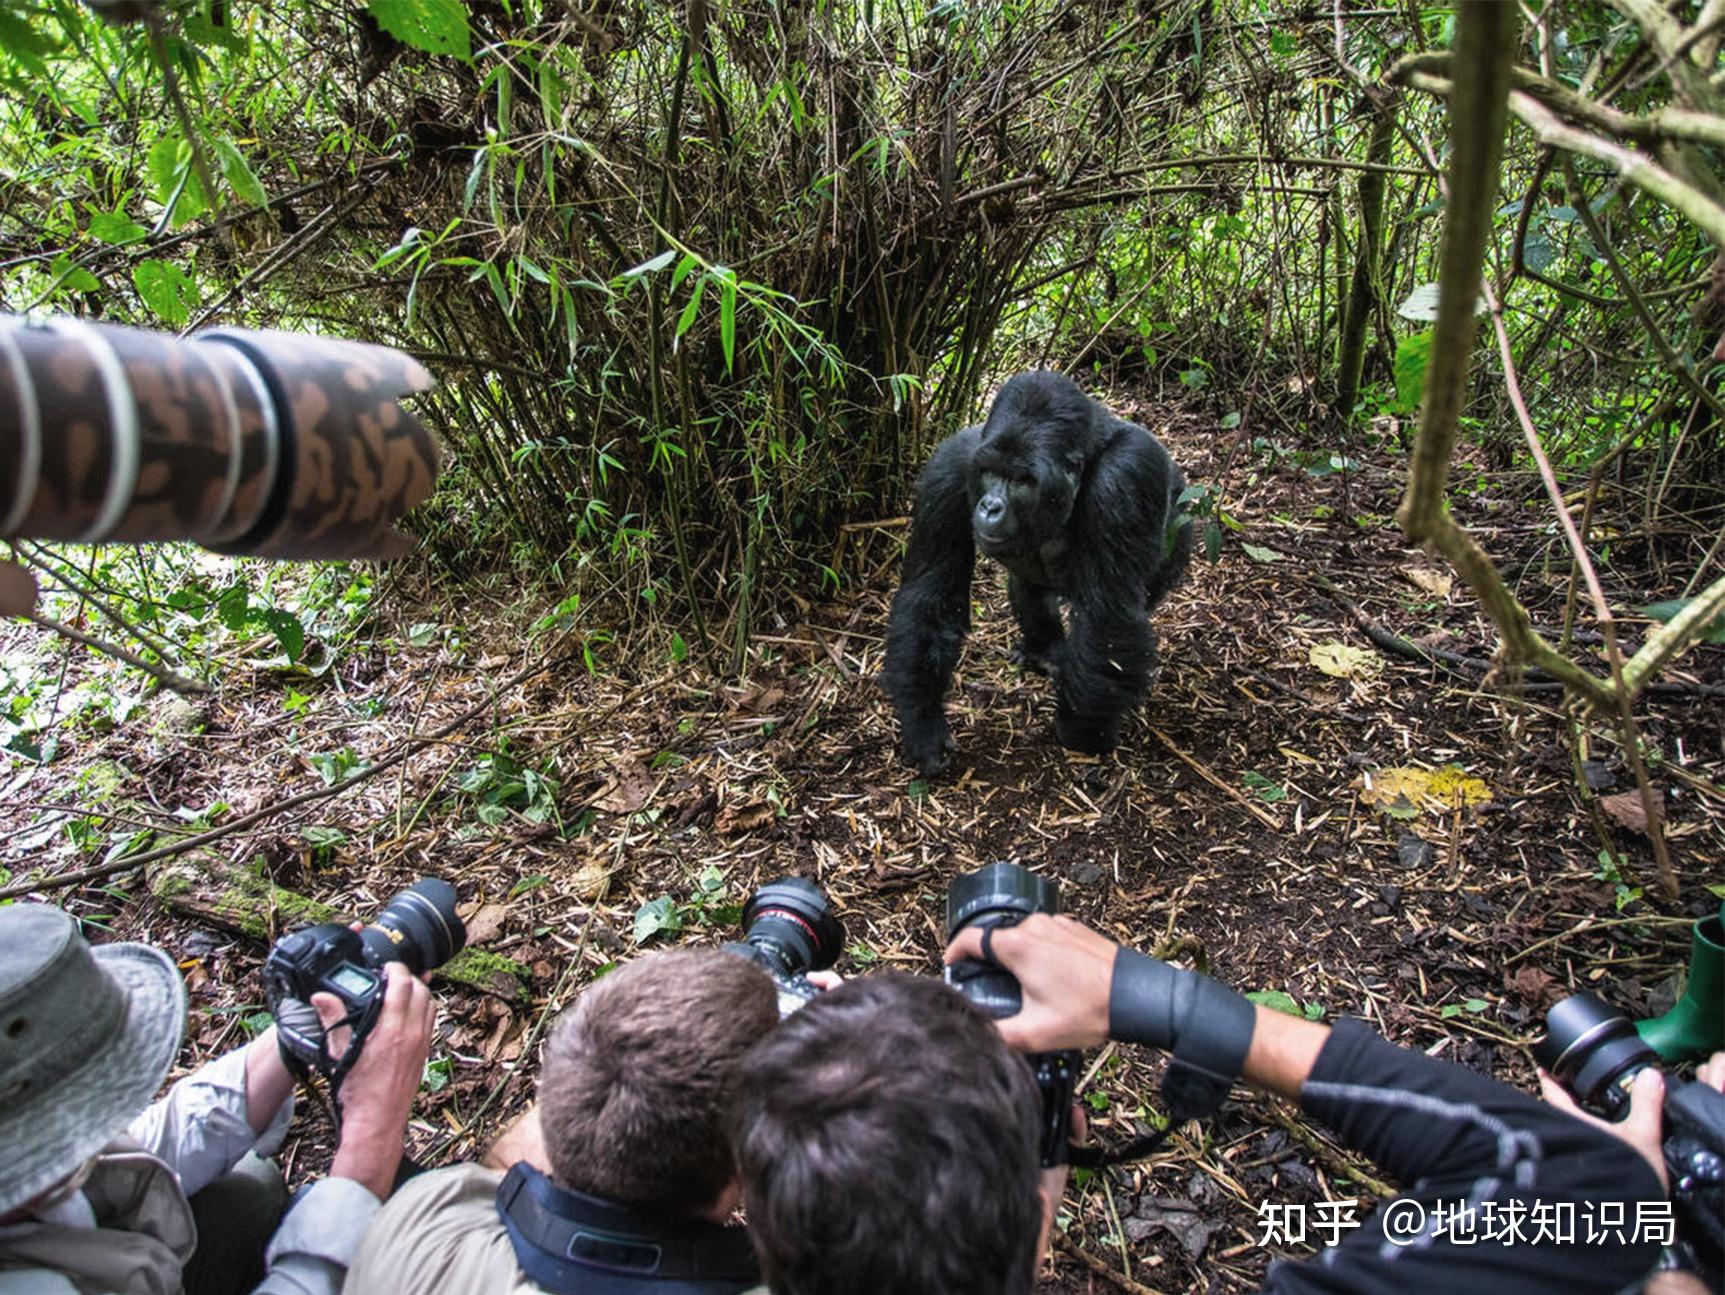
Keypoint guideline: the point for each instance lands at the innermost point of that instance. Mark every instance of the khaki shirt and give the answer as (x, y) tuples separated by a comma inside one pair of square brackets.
[(441, 1232)]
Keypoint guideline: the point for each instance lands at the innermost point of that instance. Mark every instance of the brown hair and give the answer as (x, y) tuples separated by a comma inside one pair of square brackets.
[(641, 1073), (887, 1142)]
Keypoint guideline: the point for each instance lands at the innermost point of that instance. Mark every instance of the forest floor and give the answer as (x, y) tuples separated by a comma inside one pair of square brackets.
[(1234, 827)]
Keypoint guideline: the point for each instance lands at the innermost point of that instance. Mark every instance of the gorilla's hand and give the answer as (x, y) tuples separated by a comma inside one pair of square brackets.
[(1081, 735), (1032, 661), (928, 745)]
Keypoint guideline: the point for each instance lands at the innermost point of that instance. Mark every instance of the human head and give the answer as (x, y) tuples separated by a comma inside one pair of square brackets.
[(887, 1142), (86, 1037), (640, 1076)]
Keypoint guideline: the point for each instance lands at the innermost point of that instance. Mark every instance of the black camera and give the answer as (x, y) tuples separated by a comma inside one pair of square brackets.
[(788, 931), (1595, 1053), (1004, 894), (418, 927)]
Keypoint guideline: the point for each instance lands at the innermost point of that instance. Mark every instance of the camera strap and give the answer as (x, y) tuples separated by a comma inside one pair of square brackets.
[(574, 1244)]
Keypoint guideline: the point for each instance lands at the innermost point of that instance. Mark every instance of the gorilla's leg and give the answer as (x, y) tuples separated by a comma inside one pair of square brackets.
[(1169, 574), (1040, 630), (931, 611), (1105, 668)]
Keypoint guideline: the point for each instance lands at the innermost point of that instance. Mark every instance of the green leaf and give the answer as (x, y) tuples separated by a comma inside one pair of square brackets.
[(1716, 889), (238, 173), (918, 789), (1266, 788), (1537, 253), (24, 43), (290, 634), (1664, 613), (73, 278), (686, 320), (1212, 539), (651, 265), (435, 26), (1476, 1005), (117, 228), (728, 322), (169, 163), (679, 649), (657, 915), (1413, 358), (166, 290), (526, 884), (233, 606), (1258, 554), (422, 634), (684, 266), (1275, 999)]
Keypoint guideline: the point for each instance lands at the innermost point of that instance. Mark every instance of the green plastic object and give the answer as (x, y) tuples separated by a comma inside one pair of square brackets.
[(1695, 1027)]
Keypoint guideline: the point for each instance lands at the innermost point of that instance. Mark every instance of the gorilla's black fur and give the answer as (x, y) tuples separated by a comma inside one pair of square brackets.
[(1076, 504)]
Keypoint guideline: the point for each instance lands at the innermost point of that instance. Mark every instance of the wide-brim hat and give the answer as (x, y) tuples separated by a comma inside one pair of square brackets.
[(86, 1037)]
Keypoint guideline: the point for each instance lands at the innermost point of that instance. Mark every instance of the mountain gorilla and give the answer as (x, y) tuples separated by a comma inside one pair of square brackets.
[(1077, 505)]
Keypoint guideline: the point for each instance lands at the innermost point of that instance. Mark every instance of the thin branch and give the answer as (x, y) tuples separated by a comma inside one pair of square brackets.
[(161, 674)]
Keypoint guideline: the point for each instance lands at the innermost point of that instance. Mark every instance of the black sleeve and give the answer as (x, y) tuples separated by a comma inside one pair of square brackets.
[(1454, 1138)]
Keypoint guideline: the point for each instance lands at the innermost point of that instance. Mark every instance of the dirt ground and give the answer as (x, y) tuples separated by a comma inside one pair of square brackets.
[(1233, 829)]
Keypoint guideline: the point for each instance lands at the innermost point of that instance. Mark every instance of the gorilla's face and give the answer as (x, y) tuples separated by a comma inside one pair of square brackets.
[(1021, 494)]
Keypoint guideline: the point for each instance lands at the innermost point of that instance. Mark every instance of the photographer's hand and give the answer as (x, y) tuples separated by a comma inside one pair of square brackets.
[(1065, 971), (378, 1092), (1642, 1128)]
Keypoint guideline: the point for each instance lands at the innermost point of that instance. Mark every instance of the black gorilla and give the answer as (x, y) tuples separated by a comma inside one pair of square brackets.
[(1076, 504)]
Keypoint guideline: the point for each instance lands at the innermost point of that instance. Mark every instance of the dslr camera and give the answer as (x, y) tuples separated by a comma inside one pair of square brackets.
[(1595, 1053), (789, 930), (1004, 894), (418, 927)]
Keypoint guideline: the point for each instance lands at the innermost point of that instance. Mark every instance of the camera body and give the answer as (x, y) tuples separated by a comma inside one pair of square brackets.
[(1004, 894), (789, 930), (418, 927), (1595, 1053)]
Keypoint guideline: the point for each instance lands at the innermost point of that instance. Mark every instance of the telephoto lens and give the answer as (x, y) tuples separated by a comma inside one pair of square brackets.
[(789, 930), (419, 927), (1594, 1051), (283, 445), (1000, 894)]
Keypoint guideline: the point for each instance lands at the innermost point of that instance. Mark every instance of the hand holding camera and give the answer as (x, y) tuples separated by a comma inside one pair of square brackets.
[(1595, 1064), (1063, 969), (380, 1087)]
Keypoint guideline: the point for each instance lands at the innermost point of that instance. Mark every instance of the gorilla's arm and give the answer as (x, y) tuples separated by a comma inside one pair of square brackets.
[(1039, 627), (1121, 546), (931, 611)]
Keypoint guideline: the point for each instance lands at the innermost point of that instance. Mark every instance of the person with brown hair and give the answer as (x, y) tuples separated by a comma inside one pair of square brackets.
[(622, 1179), (888, 1136)]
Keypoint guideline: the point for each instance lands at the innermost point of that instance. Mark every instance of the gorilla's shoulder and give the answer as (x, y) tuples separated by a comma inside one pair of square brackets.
[(953, 454)]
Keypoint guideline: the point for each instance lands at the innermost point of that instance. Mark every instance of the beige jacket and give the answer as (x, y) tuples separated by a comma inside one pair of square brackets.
[(440, 1232)]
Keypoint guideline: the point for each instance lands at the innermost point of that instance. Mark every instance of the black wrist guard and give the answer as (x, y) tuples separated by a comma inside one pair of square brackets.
[(1206, 1026)]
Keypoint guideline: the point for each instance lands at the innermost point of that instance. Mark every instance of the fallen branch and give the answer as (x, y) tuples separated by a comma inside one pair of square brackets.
[(161, 674), (246, 902), (1257, 811), (1108, 1272)]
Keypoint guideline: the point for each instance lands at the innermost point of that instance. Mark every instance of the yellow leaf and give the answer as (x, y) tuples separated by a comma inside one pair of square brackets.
[(1408, 792), (1341, 660), (1436, 583)]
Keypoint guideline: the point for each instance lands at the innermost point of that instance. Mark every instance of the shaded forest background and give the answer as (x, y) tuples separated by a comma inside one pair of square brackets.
[(703, 283)]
